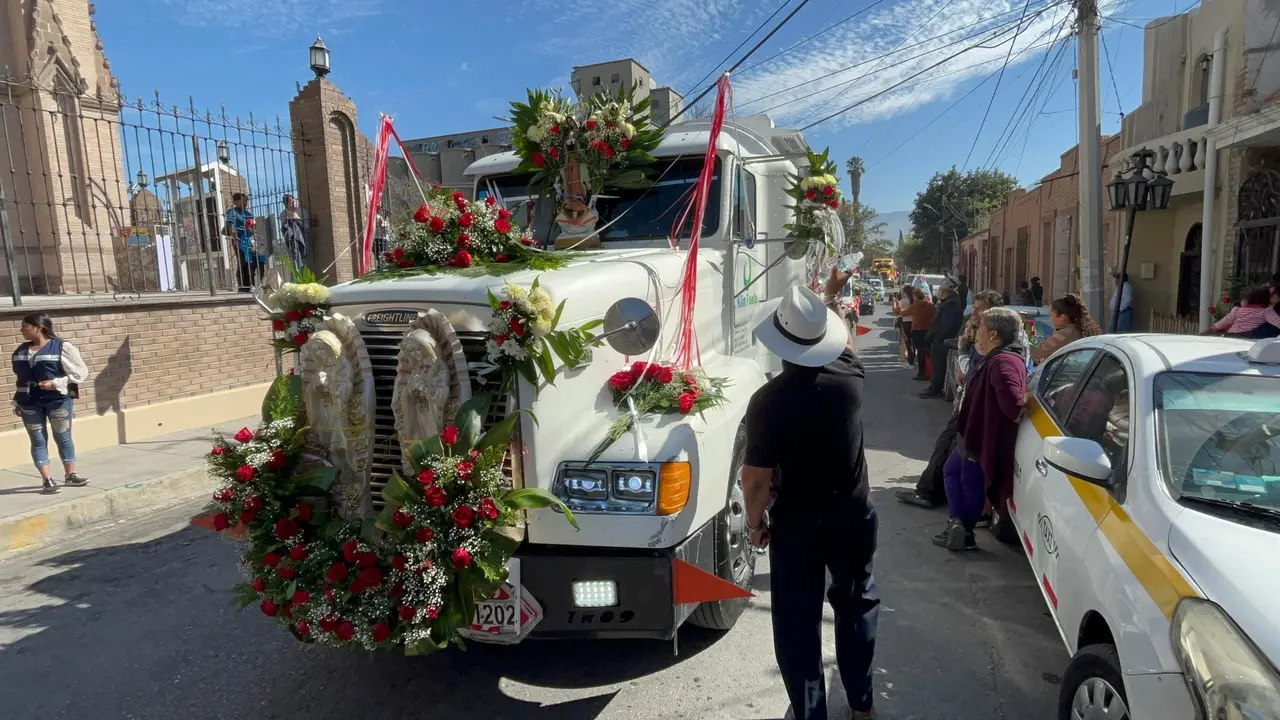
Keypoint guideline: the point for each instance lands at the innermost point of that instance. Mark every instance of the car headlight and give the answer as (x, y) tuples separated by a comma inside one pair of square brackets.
[(1228, 676), (635, 488)]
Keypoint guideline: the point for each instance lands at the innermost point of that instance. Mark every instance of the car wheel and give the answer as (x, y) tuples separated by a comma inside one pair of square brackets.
[(735, 560), (1093, 686)]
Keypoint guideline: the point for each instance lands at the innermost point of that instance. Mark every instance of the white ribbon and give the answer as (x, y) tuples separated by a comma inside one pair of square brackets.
[(642, 449)]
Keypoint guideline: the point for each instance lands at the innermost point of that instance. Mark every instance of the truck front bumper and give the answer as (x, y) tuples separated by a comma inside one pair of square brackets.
[(645, 607)]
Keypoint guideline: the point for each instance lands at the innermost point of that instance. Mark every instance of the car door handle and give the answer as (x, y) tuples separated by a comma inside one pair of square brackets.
[(1042, 467)]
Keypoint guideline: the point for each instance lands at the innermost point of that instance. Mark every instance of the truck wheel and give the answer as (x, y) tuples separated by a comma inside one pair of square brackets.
[(1093, 686), (735, 561)]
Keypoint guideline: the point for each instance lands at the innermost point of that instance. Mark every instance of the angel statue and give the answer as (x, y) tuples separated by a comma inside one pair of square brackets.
[(431, 382), (326, 390)]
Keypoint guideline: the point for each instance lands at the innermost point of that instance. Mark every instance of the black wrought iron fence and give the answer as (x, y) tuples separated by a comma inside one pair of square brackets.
[(125, 198)]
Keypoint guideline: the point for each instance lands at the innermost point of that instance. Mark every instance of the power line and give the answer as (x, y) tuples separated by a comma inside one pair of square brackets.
[(738, 64), (745, 40), (895, 86), (1015, 120), (1032, 121), (1111, 70), (812, 37), (987, 112), (1022, 104), (990, 34)]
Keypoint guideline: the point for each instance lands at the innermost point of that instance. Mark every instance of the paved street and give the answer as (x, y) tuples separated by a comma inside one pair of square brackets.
[(134, 621)]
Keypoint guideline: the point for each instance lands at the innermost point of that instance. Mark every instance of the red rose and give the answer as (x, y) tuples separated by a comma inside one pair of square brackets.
[(434, 496), (499, 258), (464, 470), (811, 195), (465, 220), (303, 628), (298, 553), (407, 613), (488, 509), (554, 129), (504, 305), (527, 241), (286, 572), (366, 559), (537, 159), (328, 623), (253, 502), (223, 495), (828, 191), (590, 125), (436, 224), (426, 477), (504, 213), (450, 435), (1212, 309), (304, 513), (336, 573), (459, 198), (276, 460), (397, 254), (381, 632), (217, 451), (424, 536), (502, 226), (349, 550), (258, 585), (834, 204), (367, 579), (555, 153), (406, 263), (401, 519), (422, 214), (301, 339), (463, 516), (491, 201), (301, 597), (625, 143), (464, 240), (399, 563), (271, 559), (247, 516), (221, 522), (462, 259), (328, 594), (269, 608), (686, 403), (293, 316), (517, 327), (345, 630), (278, 325), (663, 374), (244, 435), (608, 151), (461, 558), (622, 380), (433, 613), (287, 529)]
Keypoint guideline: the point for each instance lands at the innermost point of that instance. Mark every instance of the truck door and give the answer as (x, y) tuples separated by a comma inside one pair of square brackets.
[(745, 287)]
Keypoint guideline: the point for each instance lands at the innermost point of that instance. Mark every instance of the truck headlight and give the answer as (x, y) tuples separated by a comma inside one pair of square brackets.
[(1228, 675), (624, 488)]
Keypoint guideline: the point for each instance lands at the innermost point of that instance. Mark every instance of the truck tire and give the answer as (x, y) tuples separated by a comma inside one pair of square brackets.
[(735, 561), (1093, 682)]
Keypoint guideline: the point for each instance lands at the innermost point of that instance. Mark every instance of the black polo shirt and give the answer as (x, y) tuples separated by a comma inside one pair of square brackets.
[(806, 424)]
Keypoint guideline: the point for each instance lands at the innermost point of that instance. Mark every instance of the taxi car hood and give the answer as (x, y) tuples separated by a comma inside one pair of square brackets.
[(1236, 566)]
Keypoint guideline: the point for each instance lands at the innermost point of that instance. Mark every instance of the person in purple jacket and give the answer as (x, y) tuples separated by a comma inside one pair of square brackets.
[(981, 466)]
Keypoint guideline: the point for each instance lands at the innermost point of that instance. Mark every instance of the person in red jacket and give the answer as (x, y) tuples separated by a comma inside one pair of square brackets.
[(981, 466)]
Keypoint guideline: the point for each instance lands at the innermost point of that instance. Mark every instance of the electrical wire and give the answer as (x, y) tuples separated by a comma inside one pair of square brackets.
[(1111, 70), (1011, 128), (745, 40), (986, 113), (812, 37), (1022, 101)]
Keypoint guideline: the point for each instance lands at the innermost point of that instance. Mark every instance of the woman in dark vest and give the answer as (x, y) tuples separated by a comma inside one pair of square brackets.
[(49, 371)]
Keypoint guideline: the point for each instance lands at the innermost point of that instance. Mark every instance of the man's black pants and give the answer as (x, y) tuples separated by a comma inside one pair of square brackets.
[(842, 540), (250, 273), (922, 349), (938, 353), (931, 484)]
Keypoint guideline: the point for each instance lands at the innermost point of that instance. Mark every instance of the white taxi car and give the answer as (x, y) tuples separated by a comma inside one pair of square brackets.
[(1147, 499)]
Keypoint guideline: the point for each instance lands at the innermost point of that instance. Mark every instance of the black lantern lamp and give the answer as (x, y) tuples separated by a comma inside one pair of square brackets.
[(224, 153), (143, 180), (1118, 189), (1133, 194), (319, 58), (1159, 191)]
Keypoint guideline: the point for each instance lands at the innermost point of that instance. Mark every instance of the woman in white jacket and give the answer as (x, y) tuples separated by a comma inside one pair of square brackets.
[(48, 372)]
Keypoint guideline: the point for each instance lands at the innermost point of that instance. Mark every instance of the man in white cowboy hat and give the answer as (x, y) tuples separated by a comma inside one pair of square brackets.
[(805, 449)]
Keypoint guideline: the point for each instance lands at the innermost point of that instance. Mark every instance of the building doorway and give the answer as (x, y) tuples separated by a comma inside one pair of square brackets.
[(1257, 251), (1189, 273)]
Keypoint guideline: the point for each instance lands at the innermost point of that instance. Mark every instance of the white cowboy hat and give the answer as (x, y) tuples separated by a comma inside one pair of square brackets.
[(798, 328)]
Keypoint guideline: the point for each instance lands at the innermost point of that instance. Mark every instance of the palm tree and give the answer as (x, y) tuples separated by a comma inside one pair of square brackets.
[(855, 168)]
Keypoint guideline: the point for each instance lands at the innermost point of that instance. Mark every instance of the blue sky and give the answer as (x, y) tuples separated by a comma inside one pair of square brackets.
[(454, 67)]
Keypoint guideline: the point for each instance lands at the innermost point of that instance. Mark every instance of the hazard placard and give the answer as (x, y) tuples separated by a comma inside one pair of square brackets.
[(507, 616)]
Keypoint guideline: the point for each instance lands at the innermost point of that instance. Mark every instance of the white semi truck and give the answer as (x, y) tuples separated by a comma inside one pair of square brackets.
[(671, 490)]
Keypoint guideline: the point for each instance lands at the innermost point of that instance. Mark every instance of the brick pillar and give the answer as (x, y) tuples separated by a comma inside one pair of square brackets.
[(333, 161)]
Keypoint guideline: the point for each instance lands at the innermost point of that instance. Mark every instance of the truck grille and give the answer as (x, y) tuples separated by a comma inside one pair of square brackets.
[(383, 348)]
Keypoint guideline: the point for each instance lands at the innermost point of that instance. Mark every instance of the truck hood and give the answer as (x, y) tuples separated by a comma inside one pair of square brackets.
[(1236, 566)]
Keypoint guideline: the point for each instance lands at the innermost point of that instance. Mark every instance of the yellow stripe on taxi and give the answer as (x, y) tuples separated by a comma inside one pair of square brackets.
[(1162, 581)]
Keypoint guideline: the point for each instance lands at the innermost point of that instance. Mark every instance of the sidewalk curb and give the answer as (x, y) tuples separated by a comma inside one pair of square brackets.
[(34, 529)]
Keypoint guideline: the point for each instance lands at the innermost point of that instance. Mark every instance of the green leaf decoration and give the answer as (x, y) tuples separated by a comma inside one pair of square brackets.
[(425, 449), (500, 434), (546, 363), (283, 398), (319, 479), (536, 499), (397, 491), (470, 420)]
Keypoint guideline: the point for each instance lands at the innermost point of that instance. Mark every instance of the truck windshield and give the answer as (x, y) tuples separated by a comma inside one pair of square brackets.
[(624, 214), (1219, 436)]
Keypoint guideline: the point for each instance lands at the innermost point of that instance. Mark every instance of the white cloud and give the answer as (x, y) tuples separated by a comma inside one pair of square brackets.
[(465, 67), (263, 17)]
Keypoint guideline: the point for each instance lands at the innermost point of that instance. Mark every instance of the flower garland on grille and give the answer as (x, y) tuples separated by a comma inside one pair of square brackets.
[(655, 389)]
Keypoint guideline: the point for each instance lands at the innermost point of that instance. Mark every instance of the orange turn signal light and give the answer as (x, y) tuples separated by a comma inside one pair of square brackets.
[(674, 480)]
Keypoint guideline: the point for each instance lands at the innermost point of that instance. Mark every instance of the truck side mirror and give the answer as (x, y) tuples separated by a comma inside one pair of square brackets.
[(631, 326)]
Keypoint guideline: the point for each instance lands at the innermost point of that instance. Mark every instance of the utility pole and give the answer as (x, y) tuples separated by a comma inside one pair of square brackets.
[(1092, 244)]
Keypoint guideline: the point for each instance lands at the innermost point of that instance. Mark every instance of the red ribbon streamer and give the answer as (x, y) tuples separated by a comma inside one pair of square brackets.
[(377, 181), (686, 337)]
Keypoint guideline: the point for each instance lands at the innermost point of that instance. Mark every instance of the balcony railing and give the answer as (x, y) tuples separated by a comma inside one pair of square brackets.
[(1175, 154)]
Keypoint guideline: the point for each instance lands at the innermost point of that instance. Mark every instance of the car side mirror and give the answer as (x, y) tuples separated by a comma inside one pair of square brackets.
[(1078, 457)]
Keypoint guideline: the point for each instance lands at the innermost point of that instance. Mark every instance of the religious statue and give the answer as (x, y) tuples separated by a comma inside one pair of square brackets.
[(577, 215), (431, 383)]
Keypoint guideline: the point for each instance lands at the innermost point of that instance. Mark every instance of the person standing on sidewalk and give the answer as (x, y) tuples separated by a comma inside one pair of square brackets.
[(240, 229), (946, 325), (49, 371), (805, 447), (293, 232), (919, 315)]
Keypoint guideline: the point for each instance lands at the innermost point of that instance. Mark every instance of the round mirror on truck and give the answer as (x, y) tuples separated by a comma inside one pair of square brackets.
[(797, 249), (631, 326)]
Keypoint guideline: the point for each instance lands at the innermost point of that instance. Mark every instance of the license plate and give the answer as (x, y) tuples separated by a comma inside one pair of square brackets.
[(507, 616), (500, 612)]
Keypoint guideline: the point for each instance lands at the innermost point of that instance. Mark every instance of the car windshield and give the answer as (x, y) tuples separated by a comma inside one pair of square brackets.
[(1219, 436), (643, 214)]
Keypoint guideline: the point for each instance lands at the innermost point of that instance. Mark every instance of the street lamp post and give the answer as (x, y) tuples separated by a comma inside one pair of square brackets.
[(1135, 193), (224, 152), (319, 58)]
